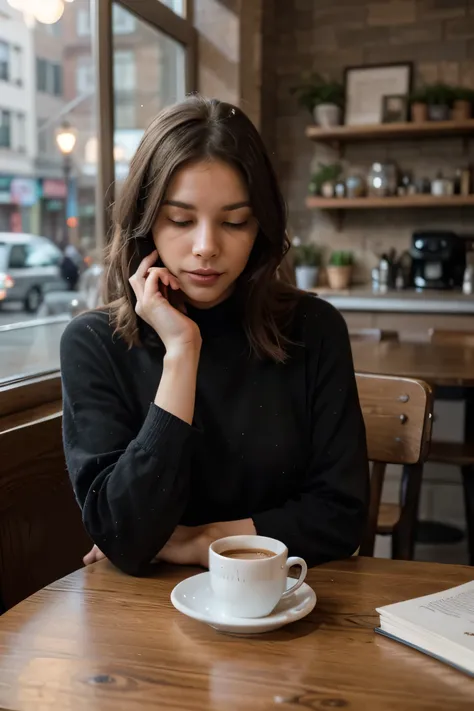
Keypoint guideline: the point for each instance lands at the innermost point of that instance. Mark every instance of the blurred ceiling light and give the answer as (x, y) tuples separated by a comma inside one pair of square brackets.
[(46, 11)]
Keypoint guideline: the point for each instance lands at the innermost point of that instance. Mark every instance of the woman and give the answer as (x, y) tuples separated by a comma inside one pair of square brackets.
[(209, 398)]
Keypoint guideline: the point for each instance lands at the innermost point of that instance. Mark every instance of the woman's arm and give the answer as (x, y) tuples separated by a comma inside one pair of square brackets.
[(326, 519), (131, 481)]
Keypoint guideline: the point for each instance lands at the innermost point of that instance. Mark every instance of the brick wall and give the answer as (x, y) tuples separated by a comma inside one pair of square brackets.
[(328, 35)]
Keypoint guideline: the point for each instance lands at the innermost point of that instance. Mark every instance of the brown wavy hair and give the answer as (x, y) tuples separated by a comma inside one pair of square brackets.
[(201, 129)]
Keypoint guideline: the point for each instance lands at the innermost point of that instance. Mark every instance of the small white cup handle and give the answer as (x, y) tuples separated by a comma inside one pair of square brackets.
[(304, 569)]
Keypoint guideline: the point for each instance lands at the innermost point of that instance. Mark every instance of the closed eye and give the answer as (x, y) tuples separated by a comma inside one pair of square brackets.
[(237, 225), (184, 223)]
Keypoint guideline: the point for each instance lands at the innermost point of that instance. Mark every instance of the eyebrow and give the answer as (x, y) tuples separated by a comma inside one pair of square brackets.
[(224, 208)]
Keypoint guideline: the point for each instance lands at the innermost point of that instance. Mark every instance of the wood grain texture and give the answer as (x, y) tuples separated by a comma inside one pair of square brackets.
[(435, 364), (29, 393), (103, 641), (454, 338), (41, 532), (375, 335), (393, 203), (384, 131), (398, 416)]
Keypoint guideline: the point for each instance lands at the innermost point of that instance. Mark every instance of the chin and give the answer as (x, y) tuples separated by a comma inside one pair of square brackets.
[(207, 296)]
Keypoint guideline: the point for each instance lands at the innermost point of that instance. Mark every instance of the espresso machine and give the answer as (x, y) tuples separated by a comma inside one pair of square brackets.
[(438, 260)]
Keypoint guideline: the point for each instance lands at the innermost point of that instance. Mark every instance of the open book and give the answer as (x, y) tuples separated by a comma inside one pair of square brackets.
[(441, 625)]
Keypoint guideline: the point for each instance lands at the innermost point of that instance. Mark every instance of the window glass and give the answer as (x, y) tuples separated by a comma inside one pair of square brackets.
[(43, 256), (4, 61), (149, 74), (5, 128), (18, 254), (40, 193)]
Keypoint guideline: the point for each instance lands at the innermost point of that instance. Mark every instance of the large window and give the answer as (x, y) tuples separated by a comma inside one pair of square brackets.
[(49, 77), (146, 78), (56, 200), (4, 61), (5, 128)]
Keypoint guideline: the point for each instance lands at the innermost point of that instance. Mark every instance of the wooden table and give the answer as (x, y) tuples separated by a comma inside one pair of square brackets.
[(445, 365), (100, 641)]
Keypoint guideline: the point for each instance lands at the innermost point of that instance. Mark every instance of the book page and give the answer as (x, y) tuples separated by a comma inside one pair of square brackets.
[(449, 614)]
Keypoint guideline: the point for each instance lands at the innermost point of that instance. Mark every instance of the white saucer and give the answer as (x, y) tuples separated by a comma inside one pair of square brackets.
[(194, 598)]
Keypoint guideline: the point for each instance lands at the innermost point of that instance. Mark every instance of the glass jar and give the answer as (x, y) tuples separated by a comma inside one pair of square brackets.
[(382, 180)]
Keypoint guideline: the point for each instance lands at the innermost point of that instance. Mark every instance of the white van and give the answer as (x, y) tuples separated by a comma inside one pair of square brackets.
[(30, 266)]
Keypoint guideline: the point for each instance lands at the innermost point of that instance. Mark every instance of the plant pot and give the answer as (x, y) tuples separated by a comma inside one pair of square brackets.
[(419, 113), (438, 112), (339, 277), (461, 110), (327, 115), (306, 277), (327, 189)]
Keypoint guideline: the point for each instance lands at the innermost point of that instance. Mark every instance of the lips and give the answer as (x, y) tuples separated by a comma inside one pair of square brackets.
[(204, 277), (205, 272)]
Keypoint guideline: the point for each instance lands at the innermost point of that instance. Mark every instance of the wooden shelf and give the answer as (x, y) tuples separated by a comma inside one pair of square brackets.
[(373, 203), (382, 131)]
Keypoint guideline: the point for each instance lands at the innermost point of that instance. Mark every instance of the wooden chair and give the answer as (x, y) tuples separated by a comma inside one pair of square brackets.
[(460, 454), (41, 533), (372, 334), (398, 420)]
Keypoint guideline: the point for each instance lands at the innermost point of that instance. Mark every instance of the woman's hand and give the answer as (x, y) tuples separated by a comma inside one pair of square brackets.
[(93, 556), (151, 284), (190, 545), (187, 546)]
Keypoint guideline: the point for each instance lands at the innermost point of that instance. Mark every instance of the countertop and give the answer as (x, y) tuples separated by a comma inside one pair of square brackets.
[(362, 298)]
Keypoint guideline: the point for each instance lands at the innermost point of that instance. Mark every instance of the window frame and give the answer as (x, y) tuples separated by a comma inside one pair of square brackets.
[(162, 18), (36, 389)]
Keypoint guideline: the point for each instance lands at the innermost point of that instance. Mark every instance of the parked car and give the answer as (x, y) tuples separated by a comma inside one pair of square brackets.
[(30, 266), (88, 295)]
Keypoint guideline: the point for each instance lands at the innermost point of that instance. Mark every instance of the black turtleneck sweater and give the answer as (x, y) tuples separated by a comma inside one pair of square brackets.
[(281, 444)]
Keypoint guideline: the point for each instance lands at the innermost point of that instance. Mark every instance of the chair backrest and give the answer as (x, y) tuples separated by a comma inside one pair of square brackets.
[(398, 417), (372, 334), (41, 533), (454, 338), (398, 420)]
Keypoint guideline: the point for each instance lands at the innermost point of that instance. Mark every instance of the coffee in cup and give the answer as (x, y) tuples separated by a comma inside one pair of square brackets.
[(248, 554), (249, 574)]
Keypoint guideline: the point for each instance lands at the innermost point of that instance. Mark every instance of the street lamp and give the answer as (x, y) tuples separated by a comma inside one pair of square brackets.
[(66, 138)]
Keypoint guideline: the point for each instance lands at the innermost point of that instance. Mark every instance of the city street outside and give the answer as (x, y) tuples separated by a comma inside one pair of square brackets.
[(30, 349)]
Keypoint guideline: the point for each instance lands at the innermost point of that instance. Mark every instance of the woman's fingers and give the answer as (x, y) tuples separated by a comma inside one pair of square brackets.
[(152, 283), (93, 556), (145, 265)]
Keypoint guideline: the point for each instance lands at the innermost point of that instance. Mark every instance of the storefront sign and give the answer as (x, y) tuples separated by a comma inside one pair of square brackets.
[(54, 189), (23, 192)]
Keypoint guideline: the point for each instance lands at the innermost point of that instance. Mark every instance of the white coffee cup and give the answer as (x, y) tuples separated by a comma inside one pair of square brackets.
[(251, 587)]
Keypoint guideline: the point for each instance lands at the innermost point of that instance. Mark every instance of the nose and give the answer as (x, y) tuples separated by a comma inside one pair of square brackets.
[(206, 241)]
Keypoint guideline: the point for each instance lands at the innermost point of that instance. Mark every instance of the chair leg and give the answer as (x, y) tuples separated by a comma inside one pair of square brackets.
[(403, 537), (468, 484), (376, 486)]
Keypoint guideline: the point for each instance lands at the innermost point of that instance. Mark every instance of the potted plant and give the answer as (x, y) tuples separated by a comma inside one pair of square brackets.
[(419, 107), (307, 259), (339, 269), (323, 181), (438, 98), (462, 105), (323, 98)]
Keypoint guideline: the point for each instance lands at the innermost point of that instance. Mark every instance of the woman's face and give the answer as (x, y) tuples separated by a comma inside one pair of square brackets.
[(205, 230)]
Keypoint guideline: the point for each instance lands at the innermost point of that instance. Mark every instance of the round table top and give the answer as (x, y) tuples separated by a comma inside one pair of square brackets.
[(437, 364), (98, 640)]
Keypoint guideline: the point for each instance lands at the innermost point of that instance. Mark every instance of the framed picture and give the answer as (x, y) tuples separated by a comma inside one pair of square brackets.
[(366, 86), (395, 108)]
